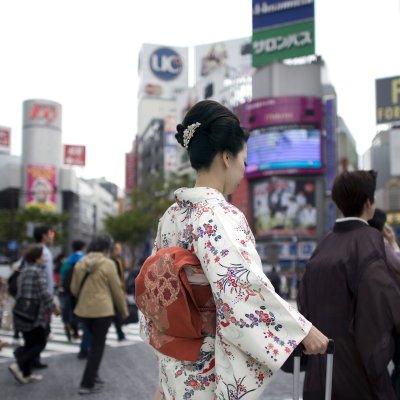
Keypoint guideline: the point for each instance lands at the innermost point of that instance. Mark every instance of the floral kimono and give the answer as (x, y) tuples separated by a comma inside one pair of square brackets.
[(256, 329)]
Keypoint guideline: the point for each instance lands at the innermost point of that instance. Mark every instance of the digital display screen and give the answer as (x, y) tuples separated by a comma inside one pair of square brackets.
[(284, 206), (280, 149)]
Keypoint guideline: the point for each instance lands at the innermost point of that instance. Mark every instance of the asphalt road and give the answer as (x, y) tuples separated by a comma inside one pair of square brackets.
[(130, 373)]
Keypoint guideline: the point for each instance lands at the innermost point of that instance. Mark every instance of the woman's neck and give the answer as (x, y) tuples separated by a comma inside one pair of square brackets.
[(205, 179)]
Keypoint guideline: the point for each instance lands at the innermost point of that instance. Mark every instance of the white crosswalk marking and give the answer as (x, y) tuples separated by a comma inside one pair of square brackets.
[(58, 342)]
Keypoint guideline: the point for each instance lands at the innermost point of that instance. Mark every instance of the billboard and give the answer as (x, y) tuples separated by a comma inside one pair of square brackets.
[(42, 113), (41, 186), (284, 206), (285, 135), (170, 145), (387, 100), (5, 139), (211, 86), (270, 111), (271, 150), (74, 155), (280, 12), (283, 42), (233, 55), (163, 71)]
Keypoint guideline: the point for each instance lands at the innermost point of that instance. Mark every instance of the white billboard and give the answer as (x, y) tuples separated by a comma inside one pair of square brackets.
[(170, 145), (163, 71), (234, 55)]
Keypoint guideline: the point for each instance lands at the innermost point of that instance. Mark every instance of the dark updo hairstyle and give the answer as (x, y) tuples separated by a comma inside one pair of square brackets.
[(219, 131), (33, 253)]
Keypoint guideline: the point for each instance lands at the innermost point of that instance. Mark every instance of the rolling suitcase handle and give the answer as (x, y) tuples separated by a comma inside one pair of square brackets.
[(329, 370)]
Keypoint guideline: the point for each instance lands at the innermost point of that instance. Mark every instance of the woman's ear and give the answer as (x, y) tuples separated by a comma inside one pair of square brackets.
[(226, 158)]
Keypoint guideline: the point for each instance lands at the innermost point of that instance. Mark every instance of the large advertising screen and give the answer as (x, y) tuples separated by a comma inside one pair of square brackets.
[(41, 187), (271, 150), (284, 206), (285, 135)]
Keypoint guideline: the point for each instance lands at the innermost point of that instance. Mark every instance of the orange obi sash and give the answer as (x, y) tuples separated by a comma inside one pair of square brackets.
[(175, 297)]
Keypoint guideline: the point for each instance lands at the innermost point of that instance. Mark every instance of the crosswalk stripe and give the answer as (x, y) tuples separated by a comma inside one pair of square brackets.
[(58, 342)]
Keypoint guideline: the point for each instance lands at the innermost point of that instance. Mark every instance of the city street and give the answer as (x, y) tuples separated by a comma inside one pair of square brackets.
[(129, 369)]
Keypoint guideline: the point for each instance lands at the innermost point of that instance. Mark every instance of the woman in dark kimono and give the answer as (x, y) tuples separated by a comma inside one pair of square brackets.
[(349, 293)]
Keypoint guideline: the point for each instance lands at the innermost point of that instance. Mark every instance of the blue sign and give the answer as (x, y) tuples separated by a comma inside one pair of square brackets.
[(166, 64), (280, 12), (330, 128)]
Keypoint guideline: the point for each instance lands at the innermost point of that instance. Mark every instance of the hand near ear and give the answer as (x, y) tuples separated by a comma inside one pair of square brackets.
[(390, 236)]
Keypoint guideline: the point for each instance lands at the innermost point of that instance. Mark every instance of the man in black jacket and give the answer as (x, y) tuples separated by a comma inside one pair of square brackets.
[(349, 294)]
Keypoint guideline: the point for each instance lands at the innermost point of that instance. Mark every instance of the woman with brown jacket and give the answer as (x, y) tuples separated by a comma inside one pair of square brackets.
[(96, 285)]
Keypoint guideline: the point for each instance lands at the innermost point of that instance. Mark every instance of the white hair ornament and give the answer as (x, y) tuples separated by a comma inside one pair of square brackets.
[(188, 134)]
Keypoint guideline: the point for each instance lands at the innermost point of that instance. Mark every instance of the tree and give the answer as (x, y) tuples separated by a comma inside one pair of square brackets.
[(14, 224), (148, 205)]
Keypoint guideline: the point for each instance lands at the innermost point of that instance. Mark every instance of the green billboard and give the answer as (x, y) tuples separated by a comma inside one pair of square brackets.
[(283, 42)]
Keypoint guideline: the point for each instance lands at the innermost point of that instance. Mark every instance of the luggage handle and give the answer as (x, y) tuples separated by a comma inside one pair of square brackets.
[(330, 351)]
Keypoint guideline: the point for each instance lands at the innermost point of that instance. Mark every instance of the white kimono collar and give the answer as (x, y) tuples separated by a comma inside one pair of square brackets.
[(184, 196)]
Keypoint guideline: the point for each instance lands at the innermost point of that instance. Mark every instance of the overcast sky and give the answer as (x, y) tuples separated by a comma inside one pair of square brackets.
[(84, 55)]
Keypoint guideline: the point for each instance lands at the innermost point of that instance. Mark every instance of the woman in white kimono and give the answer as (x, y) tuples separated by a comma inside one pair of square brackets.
[(256, 330)]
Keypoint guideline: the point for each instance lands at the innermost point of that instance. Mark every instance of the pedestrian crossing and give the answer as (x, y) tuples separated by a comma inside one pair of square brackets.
[(58, 342)]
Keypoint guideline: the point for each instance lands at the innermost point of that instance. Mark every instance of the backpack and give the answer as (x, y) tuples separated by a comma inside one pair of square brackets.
[(67, 279), (12, 281)]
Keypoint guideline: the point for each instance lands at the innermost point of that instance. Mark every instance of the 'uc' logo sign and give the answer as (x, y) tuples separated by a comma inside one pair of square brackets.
[(165, 63)]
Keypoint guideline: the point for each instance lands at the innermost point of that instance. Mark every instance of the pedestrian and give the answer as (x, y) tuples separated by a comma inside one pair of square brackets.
[(67, 300), (58, 263), (16, 267), (44, 236), (32, 322), (378, 221), (255, 329), (275, 279), (392, 250), (116, 253), (348, 292), (96, 286)]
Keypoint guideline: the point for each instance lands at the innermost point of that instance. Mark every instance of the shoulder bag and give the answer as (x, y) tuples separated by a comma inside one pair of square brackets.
[(26, 309)]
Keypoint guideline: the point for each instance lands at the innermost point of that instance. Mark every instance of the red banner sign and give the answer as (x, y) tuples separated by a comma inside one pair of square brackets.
[(74, 155), (4, 139)]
